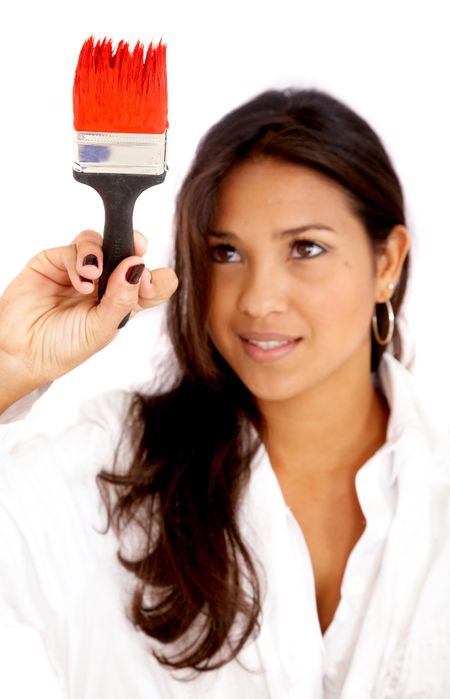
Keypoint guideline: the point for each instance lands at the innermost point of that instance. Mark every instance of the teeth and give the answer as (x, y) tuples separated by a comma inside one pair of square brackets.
[(271, 344)]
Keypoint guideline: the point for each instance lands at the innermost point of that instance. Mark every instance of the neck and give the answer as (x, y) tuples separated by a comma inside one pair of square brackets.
[(324, 435)]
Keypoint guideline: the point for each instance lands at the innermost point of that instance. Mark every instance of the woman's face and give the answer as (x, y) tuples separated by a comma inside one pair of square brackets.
[(293, 279)]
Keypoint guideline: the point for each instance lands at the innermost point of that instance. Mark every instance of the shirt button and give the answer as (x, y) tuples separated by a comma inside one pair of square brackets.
[(355, 585)]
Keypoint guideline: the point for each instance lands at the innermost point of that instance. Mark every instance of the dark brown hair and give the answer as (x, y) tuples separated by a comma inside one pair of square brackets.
[(197, 588)]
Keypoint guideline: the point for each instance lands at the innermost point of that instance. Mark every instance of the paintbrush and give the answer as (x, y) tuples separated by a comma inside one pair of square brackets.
[(120, 142)]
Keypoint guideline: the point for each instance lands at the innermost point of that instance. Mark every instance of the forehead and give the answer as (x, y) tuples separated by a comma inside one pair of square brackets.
[(270, 186)]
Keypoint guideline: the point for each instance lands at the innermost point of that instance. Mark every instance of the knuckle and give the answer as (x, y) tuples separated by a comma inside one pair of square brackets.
[(123, 298), (171, 284), (141, 239), (87, 237)]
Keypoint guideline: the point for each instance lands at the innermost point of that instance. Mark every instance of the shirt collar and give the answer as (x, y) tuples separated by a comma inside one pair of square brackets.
[(398, 386), (408, 413), (394, 381)]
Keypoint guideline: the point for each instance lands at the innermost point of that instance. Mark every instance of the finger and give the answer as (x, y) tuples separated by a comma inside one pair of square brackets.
[(87, 235), (140, 243), (120, 297), (90, 252), (89, 255), (80, 282), (59, 266), (157, 286)]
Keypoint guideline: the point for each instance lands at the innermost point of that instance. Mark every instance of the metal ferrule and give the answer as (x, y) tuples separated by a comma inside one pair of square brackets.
[(126, 153)]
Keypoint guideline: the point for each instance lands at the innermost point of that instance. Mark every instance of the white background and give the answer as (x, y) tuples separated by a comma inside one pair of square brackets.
[(389, 60)]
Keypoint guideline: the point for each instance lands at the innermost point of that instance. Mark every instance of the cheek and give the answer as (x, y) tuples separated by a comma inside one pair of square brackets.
[(341, 303)]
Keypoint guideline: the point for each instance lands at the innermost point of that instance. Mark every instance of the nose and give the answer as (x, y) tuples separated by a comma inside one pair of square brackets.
[(263, 292)]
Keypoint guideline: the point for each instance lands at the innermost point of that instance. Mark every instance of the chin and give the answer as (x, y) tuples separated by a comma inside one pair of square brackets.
[(271, 390), (290, 378)]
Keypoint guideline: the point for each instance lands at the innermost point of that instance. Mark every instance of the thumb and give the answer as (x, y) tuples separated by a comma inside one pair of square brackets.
[(120, 298)]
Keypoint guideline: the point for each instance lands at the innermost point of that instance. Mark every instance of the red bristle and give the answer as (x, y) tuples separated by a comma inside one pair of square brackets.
[(119, 90)]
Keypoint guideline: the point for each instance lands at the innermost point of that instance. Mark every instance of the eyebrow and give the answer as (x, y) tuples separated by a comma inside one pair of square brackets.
[(281, 234)]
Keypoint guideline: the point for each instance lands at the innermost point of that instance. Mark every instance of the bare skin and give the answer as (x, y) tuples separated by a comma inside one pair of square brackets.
[(327, 508), (50, 317), (324, 417)]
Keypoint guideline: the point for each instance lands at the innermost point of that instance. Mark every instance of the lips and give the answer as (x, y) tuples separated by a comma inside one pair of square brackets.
[(268, 337), (268, 346)]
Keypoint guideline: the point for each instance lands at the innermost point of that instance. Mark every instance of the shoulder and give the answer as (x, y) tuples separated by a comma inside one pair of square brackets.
[(108, 410), (74, 454), (414, 406), (415, 416)]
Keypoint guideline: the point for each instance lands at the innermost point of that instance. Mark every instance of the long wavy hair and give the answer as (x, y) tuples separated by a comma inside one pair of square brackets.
[(197, 590)]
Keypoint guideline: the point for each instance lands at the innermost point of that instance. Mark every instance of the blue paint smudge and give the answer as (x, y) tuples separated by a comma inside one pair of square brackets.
[(94, 154)]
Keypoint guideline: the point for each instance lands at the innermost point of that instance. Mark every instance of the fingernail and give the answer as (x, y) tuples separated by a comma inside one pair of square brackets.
[(90, 260), (124, 321), (134, 274)]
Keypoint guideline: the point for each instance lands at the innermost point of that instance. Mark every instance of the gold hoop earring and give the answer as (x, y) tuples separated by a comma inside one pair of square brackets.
[(390, 332)]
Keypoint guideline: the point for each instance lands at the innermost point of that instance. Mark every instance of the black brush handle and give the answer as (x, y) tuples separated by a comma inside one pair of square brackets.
[(119, 193)]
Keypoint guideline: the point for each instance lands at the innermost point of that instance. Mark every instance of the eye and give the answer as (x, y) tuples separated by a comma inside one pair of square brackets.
[(297, 246), (223, 253)]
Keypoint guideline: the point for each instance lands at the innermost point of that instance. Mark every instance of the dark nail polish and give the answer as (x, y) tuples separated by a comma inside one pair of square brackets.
[(134, 274), (124, 321), (90, 260)]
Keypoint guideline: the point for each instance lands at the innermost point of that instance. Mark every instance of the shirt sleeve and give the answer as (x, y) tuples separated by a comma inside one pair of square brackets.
[(18, 420), (21, 408), (49, 510), (21, 647)]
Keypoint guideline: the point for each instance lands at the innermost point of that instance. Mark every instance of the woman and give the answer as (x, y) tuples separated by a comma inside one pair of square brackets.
[(280, 503)]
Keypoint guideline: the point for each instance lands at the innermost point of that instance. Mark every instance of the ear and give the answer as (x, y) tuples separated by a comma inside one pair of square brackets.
[(390, 261)]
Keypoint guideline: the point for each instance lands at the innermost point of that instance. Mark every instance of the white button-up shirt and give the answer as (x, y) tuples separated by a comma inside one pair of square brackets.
[(376, 489), (390, 636)]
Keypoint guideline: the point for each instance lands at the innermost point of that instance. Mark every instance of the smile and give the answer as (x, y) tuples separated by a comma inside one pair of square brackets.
[(271, 344), (268, 349)]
